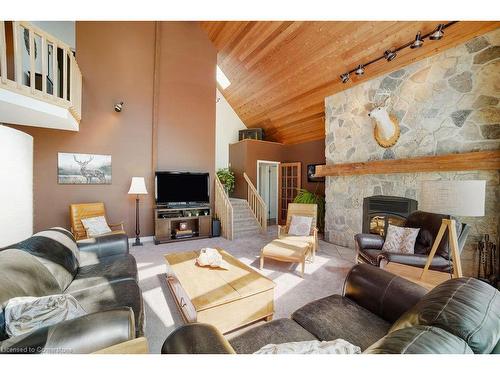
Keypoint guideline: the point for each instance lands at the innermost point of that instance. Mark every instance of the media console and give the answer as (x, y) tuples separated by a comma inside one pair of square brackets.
[(181, 223)]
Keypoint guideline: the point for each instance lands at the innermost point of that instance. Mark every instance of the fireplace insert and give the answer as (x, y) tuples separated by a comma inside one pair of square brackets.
[(381, 210)]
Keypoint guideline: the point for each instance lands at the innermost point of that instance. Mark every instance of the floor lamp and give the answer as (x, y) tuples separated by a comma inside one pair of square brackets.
[(454, 198), (137, 187)]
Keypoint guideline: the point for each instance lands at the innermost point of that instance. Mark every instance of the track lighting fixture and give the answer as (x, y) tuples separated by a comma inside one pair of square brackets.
[(419, 42), (391, 54), (438, 33)]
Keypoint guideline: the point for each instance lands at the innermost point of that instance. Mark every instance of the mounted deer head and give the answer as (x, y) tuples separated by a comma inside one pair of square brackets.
[(386, 130)]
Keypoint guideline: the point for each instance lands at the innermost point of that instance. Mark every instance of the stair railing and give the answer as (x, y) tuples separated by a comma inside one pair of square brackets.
[(223, 209), (36, 64), (256, 203)]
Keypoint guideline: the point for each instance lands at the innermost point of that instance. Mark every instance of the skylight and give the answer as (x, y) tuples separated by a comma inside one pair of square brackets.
[(222, 80)]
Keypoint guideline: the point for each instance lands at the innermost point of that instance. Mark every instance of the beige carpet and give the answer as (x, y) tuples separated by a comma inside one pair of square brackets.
[(323, 277)]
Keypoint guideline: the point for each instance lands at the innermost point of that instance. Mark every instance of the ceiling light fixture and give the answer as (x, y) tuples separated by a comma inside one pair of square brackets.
[(419, 42), (438, 34), (360, 70), (391, 54)]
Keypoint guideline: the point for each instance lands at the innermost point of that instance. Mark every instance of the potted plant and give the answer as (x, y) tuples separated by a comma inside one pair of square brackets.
[(226, 177), (305, 196)]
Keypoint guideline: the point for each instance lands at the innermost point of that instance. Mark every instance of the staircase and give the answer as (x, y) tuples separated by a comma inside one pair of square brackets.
[(40, 81), (245, 223)]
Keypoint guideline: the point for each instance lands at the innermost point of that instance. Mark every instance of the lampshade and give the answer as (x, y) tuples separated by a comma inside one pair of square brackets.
[(457, 198), (138, 186)]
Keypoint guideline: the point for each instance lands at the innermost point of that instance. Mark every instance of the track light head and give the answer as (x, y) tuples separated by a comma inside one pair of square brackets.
[(118, 107), (360, 70), (344, 77), (390, 55), (438, 33), (418, 41)]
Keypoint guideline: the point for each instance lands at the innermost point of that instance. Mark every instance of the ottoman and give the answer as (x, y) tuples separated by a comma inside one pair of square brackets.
[(287, 250)]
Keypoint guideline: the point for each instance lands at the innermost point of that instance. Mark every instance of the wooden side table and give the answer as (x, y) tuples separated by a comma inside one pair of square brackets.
[(429, 281)]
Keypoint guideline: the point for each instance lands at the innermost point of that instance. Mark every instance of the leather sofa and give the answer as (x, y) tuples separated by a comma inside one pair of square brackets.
[(100, 273), (377, 311), (369, 246)]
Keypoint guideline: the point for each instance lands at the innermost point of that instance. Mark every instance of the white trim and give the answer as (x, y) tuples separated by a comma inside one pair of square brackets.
[(277, 164), (131, 240)]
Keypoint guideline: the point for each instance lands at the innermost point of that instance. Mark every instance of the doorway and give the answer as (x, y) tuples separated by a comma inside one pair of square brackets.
[(267, 187)]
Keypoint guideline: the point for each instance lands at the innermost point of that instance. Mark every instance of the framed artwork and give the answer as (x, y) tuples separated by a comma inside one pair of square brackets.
[(311, 171), (83, 169)]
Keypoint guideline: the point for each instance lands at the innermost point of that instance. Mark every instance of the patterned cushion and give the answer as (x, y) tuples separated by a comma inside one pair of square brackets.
[(300, 225), (26, 314), (96, 226), (337, 346), (400, 240)]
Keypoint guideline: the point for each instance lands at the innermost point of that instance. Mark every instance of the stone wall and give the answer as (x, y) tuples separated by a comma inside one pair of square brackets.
[(445, 104)]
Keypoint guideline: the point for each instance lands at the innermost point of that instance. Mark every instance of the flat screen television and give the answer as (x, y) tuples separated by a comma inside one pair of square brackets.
[(181, 187)]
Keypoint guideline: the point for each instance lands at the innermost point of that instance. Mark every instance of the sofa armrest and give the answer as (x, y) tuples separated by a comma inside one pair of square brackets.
[(415, 260), (196, 338), (82, 335), (368, 241), (381, 292), (103, 246)]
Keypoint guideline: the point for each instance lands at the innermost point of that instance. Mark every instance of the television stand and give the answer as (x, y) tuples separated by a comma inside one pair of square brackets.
[(182, 223)]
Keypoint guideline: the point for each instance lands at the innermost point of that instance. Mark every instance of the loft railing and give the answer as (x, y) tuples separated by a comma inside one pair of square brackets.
[(36, 64), (223, 209), (256, 203)]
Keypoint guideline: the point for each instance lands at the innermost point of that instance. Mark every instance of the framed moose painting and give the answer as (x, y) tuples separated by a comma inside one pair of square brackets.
[(83, 169)]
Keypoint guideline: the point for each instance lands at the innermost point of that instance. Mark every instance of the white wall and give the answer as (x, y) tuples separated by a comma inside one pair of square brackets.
[(62, 30), (16, 186), (226, 130)]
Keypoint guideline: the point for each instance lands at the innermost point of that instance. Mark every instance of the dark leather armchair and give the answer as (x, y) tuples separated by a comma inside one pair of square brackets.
[(369, 246)]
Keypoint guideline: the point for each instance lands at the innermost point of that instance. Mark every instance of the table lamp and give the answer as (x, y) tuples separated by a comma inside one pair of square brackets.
[(454, 198), (137, 187)]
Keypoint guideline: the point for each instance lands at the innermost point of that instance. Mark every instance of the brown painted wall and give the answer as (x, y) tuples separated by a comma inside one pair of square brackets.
[(116, 60), (186, 123), (243, 157), (307, 153)]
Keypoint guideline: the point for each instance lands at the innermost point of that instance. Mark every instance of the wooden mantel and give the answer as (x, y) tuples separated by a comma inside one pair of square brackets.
[(481, 160)]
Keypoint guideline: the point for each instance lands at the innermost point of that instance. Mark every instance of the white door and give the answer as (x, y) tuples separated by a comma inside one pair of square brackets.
[(268, 187)]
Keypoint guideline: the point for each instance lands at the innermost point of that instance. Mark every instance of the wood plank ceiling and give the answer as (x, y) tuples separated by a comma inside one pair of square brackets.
[(281, 72)]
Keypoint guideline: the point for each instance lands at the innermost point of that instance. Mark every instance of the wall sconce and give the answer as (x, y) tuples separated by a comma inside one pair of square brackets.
[(118, 107)]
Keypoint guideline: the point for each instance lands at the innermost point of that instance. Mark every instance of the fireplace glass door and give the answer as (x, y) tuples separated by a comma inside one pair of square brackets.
[(380, 223)]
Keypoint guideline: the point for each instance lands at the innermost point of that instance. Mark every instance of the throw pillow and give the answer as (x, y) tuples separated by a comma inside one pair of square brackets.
[(96, 226), (27, 314), (337, 346), (300, 225), (400, 240)]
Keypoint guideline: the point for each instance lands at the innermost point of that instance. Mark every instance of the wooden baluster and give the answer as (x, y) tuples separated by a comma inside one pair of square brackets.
[(3, 53), (65, 75), (32, 60), (18, 69), (55, 69), (44, 64)]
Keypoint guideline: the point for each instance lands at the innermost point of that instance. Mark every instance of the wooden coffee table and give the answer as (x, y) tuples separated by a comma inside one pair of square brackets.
[(227, 299)]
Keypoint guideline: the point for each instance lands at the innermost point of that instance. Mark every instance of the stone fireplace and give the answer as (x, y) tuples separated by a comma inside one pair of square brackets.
[(448, 103), (379, 211)]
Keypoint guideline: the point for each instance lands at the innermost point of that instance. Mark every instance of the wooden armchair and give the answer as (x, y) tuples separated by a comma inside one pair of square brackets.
[(301, 209), (80, 211)]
